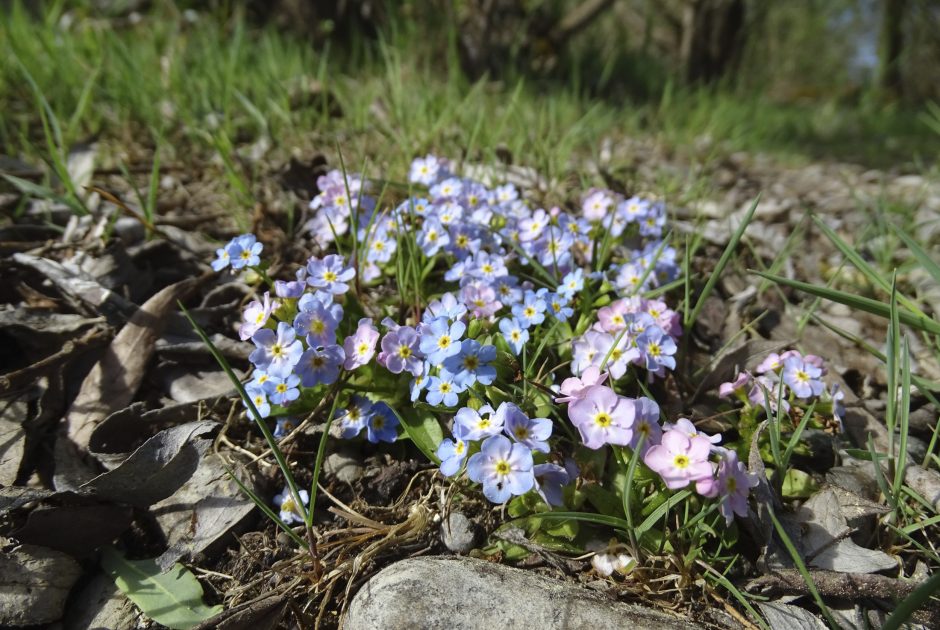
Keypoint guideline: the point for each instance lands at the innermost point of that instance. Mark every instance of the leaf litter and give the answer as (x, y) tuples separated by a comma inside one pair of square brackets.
[(152, 471)]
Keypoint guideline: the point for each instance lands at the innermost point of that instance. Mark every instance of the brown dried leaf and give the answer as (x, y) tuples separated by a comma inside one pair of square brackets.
[(157, 469), (112, 383)]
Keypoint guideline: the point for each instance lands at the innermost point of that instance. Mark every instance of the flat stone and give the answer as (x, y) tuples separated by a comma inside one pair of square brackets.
[(34, 584), (459, 593)]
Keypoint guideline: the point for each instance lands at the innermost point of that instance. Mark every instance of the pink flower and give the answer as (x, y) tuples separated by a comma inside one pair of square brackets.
[(685, 426), (772, 363), (360, 347), (734, 485), (256, 316), (574, 388), (737, 385), (681, 460), (603, 417)]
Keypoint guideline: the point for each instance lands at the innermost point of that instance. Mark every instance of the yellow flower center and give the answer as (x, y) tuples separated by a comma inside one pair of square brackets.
[(277, 350), (471, 362), (503, 467), (681, 461), (443, 342), (603, 419), (317, 326), (445, 388), (329, 276), (404, 351)]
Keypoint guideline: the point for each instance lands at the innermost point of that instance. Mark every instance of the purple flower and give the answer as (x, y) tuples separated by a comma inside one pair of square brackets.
[(440, 339), (514, 334), (531, 311), (684, 425), (558, 306), (590, 349), (680, 460), (734, 485), (443, 390), (424, 170), (646, 425), (277, 352), (504, 469), (574, 388), (283, 391), (244, 251), (802, 378), (320, 365), (290, 511), (383, 425), (533, 432), (736, 387), (657, 349), (453, 452), (596, 205), (472, 364), (447, 306), (418, 383), (400, 351), (603, 417), (432, 237), (771, 363), (572, 283), (318, 320), (329, 274), (480, 298), (354, 418), (549, 480), (256, 316), (284, 426), (360, 347), (478, 424), (292, 288), (259, 399)]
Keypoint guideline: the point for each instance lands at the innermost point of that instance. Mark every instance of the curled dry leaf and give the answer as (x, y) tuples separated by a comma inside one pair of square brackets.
[(112, 383), (157, 469)]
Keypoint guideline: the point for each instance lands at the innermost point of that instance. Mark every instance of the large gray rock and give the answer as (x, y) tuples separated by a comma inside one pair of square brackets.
[(455, 593)]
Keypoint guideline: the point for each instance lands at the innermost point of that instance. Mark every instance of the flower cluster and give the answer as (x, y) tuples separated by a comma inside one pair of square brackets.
[(508, 284), (678, 452), (784, 379), (629, 331), (504, 460)]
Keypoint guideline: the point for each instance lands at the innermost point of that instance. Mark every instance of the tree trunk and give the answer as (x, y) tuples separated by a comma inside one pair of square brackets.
[(712, 38), (891, 45)]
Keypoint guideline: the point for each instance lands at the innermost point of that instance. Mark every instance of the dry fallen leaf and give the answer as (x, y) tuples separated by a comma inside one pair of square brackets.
[(112, 383)]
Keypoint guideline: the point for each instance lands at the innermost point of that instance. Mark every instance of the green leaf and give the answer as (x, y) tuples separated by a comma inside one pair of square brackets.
[(798, 485), (424, 430), (173, 599), (855, 301)]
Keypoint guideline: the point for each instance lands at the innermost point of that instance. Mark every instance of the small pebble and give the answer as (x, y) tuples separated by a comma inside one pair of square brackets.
[(459, 533), (343, 466)]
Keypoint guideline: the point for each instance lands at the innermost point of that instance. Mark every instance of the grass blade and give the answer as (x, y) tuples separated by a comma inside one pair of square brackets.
[(921, 322), (722, 263), (912, 603)]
